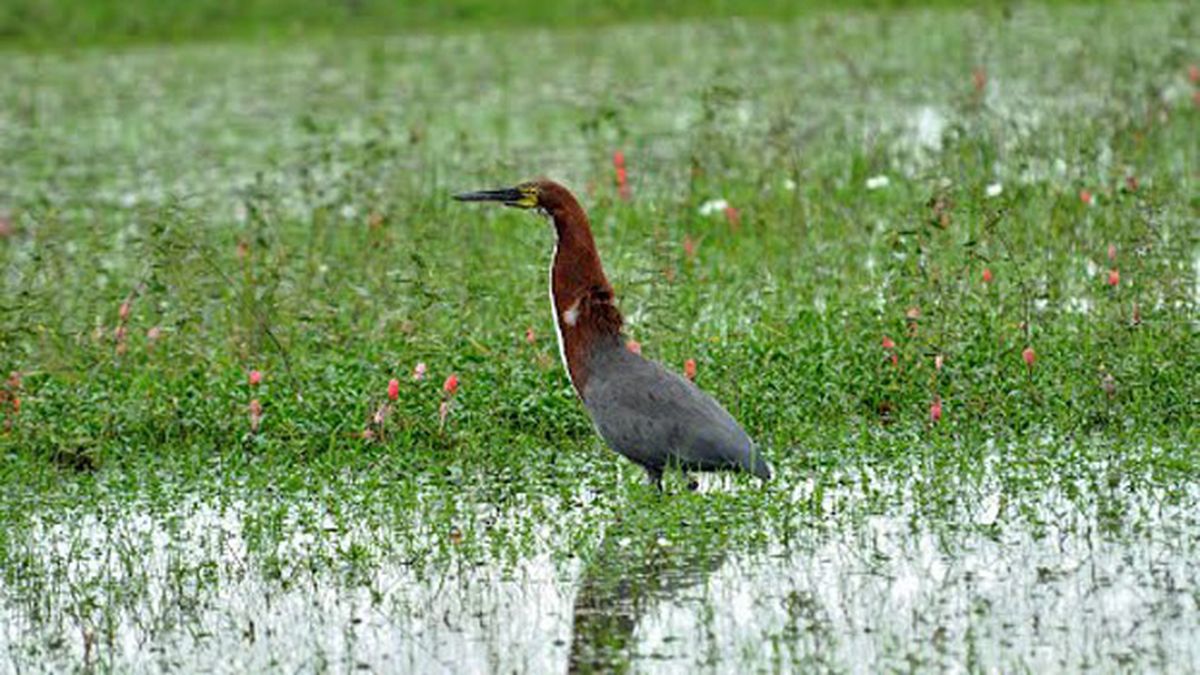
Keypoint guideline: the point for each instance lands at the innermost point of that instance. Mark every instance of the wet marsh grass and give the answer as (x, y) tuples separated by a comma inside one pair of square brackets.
[(285, 208)]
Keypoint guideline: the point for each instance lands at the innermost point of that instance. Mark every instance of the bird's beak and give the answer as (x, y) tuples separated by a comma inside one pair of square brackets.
[(507, 196)]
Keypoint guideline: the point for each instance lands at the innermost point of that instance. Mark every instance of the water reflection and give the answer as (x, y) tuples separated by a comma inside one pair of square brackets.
[(1039, 580), (630, 574)]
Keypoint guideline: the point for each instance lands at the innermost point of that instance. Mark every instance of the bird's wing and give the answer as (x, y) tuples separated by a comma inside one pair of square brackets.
[(655, 417)]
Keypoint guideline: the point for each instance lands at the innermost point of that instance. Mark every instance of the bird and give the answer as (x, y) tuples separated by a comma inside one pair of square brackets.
[(643, 411)]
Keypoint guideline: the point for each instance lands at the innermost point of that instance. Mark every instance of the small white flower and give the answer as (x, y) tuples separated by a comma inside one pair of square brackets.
[(713, 206), (877, 182), (789, 184), (994, 190)]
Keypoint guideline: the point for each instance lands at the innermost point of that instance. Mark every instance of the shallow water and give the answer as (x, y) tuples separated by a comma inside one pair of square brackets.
[(990, 581), (325, 113), (986, 566)]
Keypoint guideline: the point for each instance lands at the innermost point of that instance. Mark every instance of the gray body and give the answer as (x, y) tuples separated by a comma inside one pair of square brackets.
[(657, 419)]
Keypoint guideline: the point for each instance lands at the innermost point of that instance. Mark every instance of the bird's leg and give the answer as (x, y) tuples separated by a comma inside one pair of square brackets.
[(654, 477)]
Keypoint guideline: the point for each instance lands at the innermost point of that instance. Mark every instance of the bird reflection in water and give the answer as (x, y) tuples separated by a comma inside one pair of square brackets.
[(630, 574)]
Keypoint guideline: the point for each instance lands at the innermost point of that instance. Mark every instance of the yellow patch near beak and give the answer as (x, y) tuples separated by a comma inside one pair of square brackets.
[(529, 197)]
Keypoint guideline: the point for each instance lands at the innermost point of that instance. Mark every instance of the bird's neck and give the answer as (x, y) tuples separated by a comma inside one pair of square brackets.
[(584, 311)]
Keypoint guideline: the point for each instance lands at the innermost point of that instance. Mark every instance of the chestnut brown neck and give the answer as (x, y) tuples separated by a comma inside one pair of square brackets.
[(584, 309)]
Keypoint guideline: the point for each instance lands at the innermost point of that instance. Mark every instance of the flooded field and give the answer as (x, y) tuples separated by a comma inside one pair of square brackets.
[(941, 264), (851, 577)]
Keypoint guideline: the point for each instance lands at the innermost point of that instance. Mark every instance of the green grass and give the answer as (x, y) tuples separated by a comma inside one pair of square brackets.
[(286, 208), (66, 23)]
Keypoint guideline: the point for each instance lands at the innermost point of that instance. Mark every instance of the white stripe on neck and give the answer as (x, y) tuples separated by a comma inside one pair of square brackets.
[(562, 349)]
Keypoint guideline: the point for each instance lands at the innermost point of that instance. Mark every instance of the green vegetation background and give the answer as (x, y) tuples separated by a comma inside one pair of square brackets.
[(284, 207), (70, 22)]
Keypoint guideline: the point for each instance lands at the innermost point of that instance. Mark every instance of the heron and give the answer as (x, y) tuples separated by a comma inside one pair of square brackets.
[(645, 412)]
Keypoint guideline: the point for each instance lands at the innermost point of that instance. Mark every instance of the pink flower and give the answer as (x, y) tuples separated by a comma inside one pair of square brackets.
[(913, 313), (935, 410), (689, 246), (255, 378), (732, 216), (119, 334), (987, 275), (154, 333), (890, 346), (1028, 356), (530, 338), (979, 79), (1112, 252), (367, 435), (938, 361), (1086, 197), (393, 389), (622, 176), (634, 346), (124, 311), (451, 384), (689, 369), (1114, 277), (419, 371)]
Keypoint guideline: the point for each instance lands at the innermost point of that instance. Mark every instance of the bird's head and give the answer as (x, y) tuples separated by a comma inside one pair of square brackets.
[(535, 194)]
